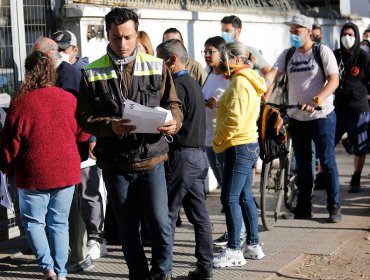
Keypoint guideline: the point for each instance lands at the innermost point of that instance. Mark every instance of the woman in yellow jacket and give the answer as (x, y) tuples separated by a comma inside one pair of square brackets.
[(236, 135)]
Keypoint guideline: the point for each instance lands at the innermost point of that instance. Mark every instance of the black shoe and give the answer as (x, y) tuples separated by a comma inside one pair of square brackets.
[(297, 214), (83, 265), (161, 277), (354, 186), (199, 274), (178, 221), (320, 181), (347, 146), (335, 216)]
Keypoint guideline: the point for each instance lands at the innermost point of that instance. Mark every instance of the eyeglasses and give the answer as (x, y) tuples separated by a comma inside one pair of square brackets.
[(210, 52)]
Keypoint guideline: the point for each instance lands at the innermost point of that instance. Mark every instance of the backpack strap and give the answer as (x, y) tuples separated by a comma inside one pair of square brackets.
[(285, 78), (317, 56), (288, 57)]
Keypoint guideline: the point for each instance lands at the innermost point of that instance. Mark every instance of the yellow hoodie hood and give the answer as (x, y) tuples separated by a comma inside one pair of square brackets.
[(255, 79)]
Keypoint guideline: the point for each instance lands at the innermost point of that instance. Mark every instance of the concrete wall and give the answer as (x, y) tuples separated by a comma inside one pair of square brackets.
[(267, 33)]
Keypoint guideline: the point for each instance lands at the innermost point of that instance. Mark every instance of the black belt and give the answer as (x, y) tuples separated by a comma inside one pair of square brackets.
[(177, 147)]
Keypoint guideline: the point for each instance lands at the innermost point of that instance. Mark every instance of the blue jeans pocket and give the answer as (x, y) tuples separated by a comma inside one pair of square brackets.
[(253, 151)]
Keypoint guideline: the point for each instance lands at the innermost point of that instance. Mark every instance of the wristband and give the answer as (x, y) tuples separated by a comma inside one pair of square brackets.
[(317, 100)]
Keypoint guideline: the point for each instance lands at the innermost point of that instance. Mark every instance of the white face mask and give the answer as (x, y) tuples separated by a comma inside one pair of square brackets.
[(348, 41), (65, 57), (365, 48)]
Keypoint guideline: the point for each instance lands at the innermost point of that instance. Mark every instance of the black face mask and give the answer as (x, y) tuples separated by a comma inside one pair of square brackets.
[(317, 39)]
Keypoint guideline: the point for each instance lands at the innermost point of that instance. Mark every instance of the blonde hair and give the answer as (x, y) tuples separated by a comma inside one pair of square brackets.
[(238, 49), (144, 40)]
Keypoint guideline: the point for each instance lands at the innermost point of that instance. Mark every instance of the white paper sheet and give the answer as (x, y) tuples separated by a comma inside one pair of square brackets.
[(88, 163), (146, 119), (5, 199)]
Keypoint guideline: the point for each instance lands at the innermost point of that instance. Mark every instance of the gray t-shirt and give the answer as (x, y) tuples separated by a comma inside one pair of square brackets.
[(305, 80)]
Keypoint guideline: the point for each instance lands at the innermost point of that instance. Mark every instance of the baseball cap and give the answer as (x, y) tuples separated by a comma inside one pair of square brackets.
[(300, 20), (64, 39)]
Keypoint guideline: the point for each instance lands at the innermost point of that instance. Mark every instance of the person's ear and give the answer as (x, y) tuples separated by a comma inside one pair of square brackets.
[(49, 53), (237, 33), (75, 50), (172, 60)]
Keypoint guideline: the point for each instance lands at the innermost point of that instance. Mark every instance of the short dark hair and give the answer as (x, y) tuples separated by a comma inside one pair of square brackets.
[(366, 31), (234, 20), (218, 42), (119, 16), (172, 30), (173, 47), (316, 26)]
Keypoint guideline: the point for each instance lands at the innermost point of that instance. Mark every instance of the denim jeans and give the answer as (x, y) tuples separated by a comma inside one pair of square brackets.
[(131, 195), (236, 194), (53, 205), (188, 171), (322, 132)]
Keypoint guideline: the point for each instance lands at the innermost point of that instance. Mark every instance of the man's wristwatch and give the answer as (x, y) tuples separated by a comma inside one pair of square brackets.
[(317, 100)]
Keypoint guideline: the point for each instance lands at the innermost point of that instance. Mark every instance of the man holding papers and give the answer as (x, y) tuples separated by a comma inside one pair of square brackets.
[(188, 164), (132, 163)]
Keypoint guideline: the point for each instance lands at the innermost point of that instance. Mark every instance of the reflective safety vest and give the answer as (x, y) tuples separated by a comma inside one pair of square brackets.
[(106, 87)]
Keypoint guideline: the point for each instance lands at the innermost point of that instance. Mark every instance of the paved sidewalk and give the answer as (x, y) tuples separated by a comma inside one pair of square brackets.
[(282, 245)]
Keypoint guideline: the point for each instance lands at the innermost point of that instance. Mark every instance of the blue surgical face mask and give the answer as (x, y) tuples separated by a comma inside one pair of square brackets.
[(295, 41), (228, 37)]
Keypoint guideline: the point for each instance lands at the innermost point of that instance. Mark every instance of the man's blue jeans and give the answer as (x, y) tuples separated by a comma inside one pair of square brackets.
[(53, 205), (236, 194), (133, 193), (322, 132)]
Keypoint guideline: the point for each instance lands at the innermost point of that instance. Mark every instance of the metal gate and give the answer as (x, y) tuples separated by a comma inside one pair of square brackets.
[(21, 23)]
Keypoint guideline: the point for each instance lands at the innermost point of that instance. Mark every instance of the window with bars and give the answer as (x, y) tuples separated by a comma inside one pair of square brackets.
[(6, 53), (34, 23), (37, 15)]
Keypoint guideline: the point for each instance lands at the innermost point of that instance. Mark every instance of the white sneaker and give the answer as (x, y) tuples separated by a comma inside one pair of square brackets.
[(96, 249), (229, 258), (253, 252)]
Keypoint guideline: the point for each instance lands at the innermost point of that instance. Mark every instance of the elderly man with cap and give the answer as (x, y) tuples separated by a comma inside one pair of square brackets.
[(310, 86)]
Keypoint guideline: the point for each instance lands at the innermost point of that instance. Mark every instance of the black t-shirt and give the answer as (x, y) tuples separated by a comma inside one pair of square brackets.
[(193, 130)]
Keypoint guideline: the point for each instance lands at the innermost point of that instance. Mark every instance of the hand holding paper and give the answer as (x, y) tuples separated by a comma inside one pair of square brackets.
[(146, 119)]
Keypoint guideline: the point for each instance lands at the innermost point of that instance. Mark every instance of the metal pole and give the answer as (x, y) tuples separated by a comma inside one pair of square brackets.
[(18, 37)]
